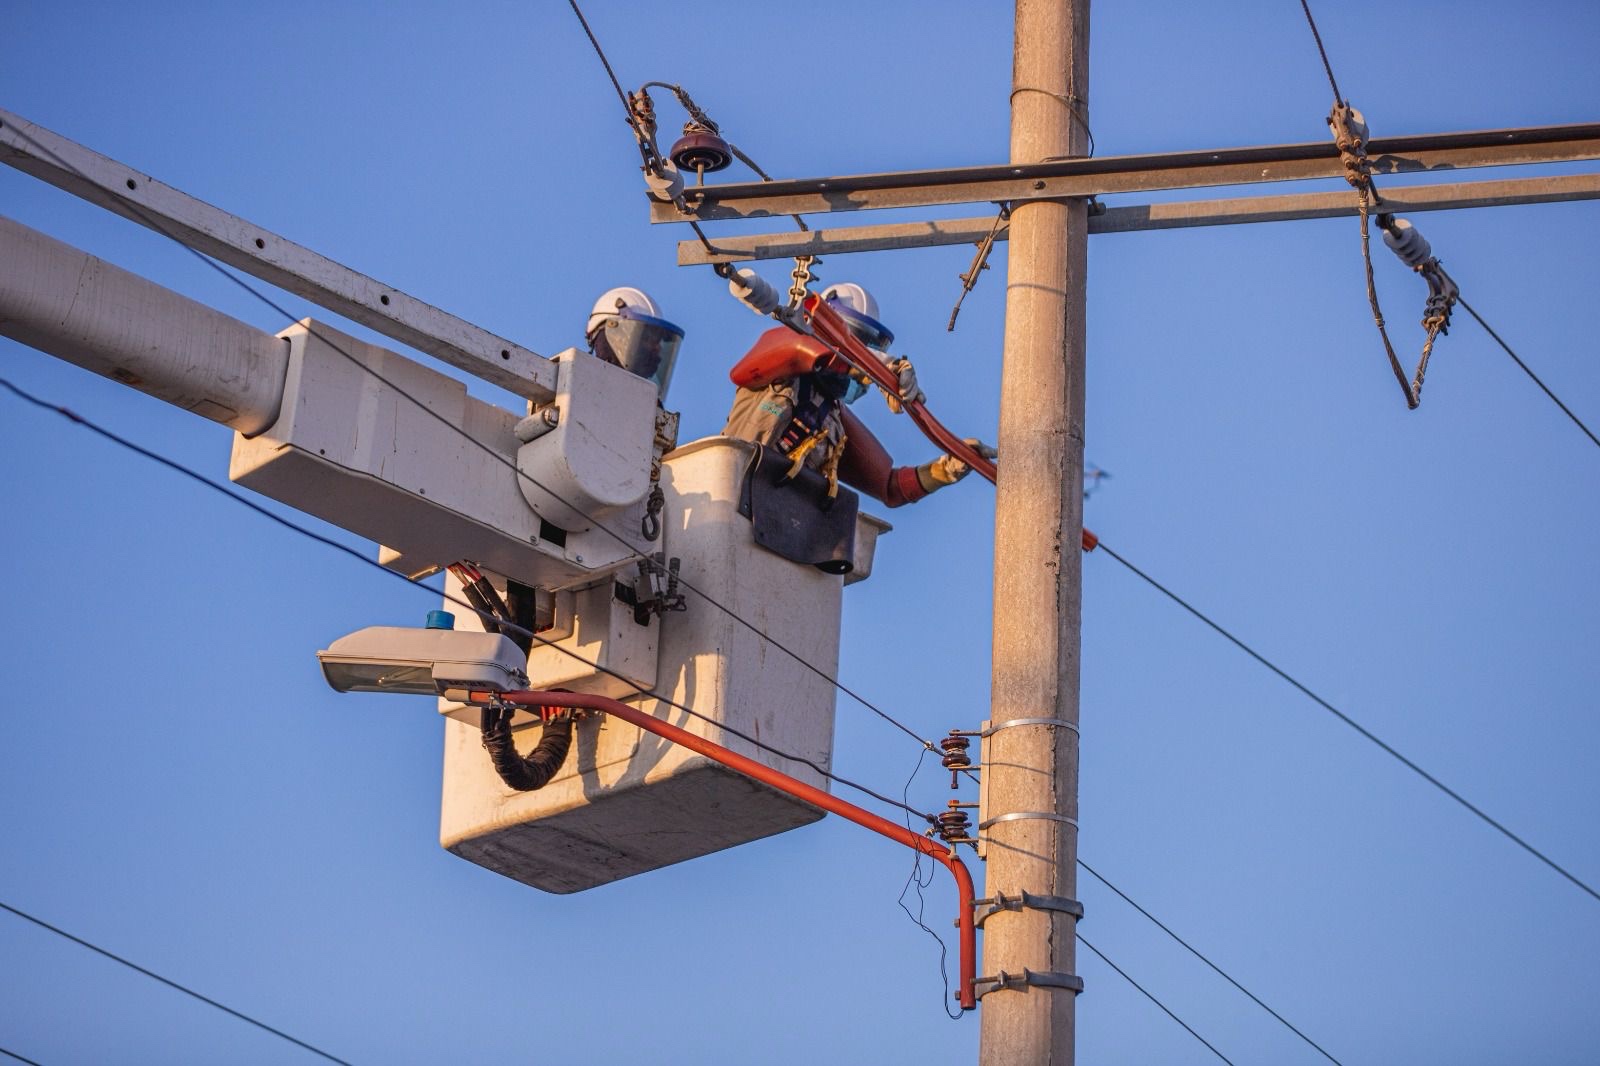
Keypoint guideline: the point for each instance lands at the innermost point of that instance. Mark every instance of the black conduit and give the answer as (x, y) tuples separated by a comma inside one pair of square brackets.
[(525, 773)]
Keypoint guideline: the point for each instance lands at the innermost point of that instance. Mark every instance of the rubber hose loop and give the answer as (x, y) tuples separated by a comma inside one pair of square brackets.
[(525, 773)]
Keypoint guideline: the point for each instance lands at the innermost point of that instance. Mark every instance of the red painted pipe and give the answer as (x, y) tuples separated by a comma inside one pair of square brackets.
[(831, 330), (966, 994)]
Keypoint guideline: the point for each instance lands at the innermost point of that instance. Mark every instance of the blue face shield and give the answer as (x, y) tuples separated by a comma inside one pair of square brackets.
[(854, 391), (639, 343)]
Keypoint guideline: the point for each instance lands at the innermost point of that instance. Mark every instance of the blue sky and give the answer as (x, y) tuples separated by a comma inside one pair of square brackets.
[(180, 786)]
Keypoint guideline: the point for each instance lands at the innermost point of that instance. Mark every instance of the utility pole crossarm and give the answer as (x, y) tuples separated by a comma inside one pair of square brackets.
[(1022, 182), (1134, 217), (239, 243)]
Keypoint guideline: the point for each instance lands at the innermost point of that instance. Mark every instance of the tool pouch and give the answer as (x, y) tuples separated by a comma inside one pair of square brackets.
[(795, 517)]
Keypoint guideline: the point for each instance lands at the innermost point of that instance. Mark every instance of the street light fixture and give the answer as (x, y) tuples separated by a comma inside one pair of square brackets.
[(423, 662)]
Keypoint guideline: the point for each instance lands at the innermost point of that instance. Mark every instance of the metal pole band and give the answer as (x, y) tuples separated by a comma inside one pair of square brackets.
[(1026, 901), (1021, 982), (1017, 816), (1060, 722)]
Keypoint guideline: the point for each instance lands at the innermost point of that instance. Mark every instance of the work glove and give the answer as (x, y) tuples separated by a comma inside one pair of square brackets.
[(909, 391), (947, 469)]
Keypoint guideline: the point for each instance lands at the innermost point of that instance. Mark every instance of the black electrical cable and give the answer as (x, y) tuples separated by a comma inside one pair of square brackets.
[(507, 627), (1517, 359), (97, 949), (1353, 724), (1146, 992), (1196, 953), (615, 84), (627, 109), (1306, 7), (915, 877), (533, 771), (146, 219), (19, 1058)]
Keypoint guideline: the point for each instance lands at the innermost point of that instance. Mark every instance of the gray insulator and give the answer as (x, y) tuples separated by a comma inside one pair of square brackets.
[(1408, 243), (750, 289), (667, 184)]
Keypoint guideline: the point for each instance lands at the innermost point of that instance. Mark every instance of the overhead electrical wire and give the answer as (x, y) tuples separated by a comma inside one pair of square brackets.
[(927, 745), (186, 990), (505, 626), (155, 224), (225, 490), (1196, 953), (1147, 995), (628, 110), (13, 1055), (1518, 360), (1337, 98), (1353, 724)]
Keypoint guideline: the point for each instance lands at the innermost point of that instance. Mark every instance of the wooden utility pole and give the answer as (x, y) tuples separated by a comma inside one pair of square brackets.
[(1032, 769)]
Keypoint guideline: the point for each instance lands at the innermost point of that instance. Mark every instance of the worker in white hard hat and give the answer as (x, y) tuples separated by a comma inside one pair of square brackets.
[(794, 393), (626, 329)]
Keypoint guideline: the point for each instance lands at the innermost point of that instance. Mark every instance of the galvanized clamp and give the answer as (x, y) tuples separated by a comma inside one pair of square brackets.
[(1025, 901), (1017, 816), (1060, 723), (1021, 982)]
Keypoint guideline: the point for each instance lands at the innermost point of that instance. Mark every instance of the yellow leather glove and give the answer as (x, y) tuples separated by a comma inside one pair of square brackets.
[(947, 469)]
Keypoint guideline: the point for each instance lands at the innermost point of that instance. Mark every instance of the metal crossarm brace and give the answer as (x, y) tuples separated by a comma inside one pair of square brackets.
[(133, 194), (1132, 173), (1134, 217)]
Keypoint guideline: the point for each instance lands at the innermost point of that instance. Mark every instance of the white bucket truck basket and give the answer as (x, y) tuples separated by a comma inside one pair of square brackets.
[(626, 801)]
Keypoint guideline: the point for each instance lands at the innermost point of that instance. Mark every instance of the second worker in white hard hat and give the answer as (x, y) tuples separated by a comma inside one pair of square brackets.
[(626, 329)]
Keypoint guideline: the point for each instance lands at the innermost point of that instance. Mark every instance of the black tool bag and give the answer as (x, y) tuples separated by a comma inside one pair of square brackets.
[(795, 517)]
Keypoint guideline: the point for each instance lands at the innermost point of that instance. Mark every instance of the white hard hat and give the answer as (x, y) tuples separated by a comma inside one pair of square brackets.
[(613, 300), (853, 296)]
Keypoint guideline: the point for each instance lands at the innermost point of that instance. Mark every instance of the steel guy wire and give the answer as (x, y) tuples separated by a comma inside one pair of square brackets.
[(217, 486), (1306, 7), (19, 1058), (155, 224), (1516, 359), (1353, 724), (1196, 953), (1146, 992), (97, 949)]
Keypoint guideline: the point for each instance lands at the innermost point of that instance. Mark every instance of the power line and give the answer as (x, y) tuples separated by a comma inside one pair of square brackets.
[(216, 486), (97, 949), (615, 84), (1306, 7), (1196, 953), (1516, 359), (1146, 992), (1353, 724), (646, 145), (155, 224), (19, 1058)]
